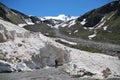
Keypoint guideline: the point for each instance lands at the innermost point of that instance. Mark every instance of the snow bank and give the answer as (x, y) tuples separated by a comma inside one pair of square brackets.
[(31, 52), (93, 63)]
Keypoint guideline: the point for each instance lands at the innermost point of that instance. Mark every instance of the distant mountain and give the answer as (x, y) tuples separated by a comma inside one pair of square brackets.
[(61, 17), (101, 24), (15, 16)]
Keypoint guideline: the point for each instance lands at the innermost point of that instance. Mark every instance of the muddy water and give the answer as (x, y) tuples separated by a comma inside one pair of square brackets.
[(43, 74)]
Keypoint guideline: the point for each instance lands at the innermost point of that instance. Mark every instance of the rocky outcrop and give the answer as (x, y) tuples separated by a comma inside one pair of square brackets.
[(5, 67)]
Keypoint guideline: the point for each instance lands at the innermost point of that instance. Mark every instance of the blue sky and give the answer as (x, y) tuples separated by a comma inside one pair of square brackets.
[(54, 7)]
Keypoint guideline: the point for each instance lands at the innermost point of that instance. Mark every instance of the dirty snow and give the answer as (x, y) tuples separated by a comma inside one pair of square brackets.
[(27, 53), (92, 62)]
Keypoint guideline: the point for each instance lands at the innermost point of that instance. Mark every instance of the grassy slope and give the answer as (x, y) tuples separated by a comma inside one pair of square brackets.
[(41, 27), (112, 34)]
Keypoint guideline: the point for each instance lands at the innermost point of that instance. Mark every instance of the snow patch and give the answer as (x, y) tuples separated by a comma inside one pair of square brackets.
[(68, 24), (85, 27), (105, 28), (91, 36), (71, 23), (29, 22), (60, 17), (64, 25), (83, 22), (22, 25), (101, 23), (75, 31)]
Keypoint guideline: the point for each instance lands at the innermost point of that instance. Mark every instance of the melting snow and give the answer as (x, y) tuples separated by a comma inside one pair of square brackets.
[(75, 31), (94, 63), (101, 23), (20, 50), (60, 17), (64, 25), (91, 36), (83, 22), (21, 25), (105, 28), (29, 22), (71, 23)]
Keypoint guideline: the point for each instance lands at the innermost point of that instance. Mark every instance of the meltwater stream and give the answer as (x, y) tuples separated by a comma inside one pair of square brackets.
[(43, 74)]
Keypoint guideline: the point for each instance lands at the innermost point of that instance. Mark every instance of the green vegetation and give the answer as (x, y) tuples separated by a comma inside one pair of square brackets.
[(41, 27), (82, 33), (80, 47), (112, 34)]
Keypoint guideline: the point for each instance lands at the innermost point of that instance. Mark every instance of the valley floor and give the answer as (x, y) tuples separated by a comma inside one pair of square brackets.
[(43, 74)]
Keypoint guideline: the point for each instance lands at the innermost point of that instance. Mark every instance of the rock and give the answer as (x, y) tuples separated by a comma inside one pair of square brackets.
[(81, 73), (5, 67), (106, 72)]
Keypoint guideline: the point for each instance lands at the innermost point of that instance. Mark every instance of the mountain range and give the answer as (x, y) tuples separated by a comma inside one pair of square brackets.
[(31, 42)]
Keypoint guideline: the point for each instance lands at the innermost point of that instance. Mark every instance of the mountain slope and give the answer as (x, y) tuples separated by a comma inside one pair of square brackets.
[(15, 16), (101, 25), (26, 50)]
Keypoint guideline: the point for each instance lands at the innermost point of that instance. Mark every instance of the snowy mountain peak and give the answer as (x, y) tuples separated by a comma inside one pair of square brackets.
[(61, 17)]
